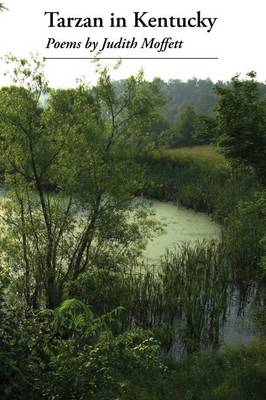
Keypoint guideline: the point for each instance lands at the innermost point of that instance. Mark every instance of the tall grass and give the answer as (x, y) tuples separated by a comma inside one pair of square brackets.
[(207, 154), (194, 182), (197, 286), (190, 288)]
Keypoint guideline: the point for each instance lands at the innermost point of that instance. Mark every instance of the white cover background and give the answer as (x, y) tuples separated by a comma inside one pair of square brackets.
[(237, 38)]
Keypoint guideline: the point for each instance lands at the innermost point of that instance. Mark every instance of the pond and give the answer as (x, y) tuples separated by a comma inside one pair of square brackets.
[(180, 224)]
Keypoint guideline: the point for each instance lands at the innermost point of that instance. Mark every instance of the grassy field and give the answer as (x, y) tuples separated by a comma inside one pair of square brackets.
[(201, 153)]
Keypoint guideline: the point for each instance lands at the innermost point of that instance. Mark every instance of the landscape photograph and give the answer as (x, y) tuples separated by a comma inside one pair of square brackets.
[(132, 229)]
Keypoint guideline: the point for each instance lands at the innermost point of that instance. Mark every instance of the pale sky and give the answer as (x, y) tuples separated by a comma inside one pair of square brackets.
[(237, 38)]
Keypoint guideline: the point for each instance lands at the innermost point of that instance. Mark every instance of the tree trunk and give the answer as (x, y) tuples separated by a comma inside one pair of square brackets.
[(51, 293)]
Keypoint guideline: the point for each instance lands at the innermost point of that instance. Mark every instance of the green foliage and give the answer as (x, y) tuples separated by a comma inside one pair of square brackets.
[(138, 293), (260, 321), (185, 128), (243, 235), (189, 129), (102, 289), (194, 179), (78, 361), (197, 93), (242, 123), (196, 289), (205, 130), (7, 356), (103, 372), (234, 373), (69, 353), (90, 137)]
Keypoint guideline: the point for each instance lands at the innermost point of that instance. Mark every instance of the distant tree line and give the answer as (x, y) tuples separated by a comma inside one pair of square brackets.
[(187, 116)]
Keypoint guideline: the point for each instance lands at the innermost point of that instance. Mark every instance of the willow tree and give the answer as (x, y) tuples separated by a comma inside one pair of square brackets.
[(70, 175)]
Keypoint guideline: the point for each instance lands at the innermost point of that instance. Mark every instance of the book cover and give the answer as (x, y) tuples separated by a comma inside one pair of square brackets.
[(132, 200)]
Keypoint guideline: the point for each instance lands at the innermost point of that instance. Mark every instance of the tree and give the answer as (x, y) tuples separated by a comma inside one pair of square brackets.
[(183, 133), (241, 116), (71, 177), (206, 129)]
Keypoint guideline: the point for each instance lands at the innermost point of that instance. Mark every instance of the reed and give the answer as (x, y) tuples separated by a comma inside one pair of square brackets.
[(185, 298), (196, 284)]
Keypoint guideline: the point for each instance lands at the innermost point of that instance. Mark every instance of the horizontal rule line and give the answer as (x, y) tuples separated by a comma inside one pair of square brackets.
[(131, 58)]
